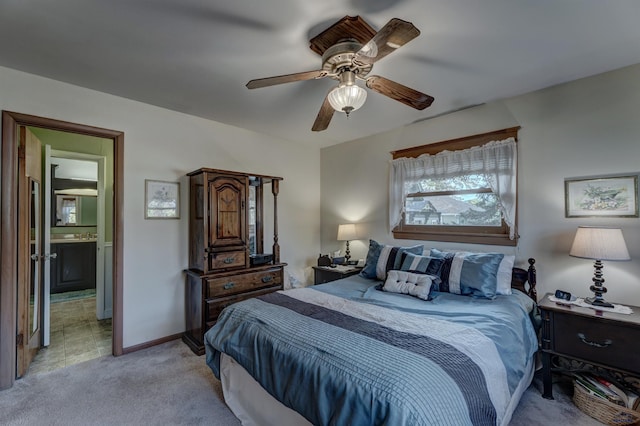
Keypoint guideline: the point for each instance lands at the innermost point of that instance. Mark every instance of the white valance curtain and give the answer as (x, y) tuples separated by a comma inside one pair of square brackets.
[(496, 160)]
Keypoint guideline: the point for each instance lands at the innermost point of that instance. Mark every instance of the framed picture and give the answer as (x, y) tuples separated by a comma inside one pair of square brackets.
[(613, 196), (161, 199)]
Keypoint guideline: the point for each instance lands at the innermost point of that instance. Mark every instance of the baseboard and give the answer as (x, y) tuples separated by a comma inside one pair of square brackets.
[(150, 343)]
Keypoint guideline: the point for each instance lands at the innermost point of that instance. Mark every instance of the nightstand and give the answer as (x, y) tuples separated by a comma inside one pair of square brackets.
[(600, 338), (325, 274)]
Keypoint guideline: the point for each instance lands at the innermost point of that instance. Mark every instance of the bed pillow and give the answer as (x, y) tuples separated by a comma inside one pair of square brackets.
[(505, 272), (471, 274), (403, 282), (423, 264), (382, 258)]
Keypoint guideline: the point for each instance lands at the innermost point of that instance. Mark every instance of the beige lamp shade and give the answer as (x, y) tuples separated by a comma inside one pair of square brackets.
[(600, 243), (347, 232)]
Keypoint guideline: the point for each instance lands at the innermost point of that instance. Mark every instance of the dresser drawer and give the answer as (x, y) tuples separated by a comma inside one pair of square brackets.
[(243, 282), (215, 306), (227, 259), (602, 342)]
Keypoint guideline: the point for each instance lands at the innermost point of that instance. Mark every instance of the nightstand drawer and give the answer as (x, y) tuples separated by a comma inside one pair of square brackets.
[(602, 342)]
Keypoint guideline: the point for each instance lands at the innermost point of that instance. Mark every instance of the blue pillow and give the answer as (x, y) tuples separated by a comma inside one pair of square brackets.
[(382, 258), (472, 274), (422, 264)]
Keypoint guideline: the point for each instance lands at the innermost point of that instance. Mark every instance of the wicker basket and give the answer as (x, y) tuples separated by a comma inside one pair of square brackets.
[(602, 410)]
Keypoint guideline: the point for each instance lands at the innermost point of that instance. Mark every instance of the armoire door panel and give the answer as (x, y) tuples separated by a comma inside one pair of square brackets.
[(227, 197)]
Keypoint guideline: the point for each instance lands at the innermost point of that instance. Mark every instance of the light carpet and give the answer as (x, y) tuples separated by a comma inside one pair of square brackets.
[(169, 385)]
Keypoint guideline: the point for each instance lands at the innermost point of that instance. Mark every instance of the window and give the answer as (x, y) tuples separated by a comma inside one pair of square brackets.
[(463, 190), (67, 210)]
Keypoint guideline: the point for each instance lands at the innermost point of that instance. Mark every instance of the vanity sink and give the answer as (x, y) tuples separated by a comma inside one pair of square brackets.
[(72, 238)]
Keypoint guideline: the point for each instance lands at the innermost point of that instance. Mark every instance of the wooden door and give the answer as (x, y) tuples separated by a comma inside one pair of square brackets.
[(29, 249), (227, 210)]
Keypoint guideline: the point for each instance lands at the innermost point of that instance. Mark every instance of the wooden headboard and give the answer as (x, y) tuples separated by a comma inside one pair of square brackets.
[(525, 281)]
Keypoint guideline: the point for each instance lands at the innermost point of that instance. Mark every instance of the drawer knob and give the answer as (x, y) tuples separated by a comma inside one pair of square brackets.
[(229, 260), (229, 285), (267, 279), (604, 344)]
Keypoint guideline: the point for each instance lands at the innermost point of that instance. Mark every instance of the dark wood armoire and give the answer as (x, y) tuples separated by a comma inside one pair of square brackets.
[(227, 258)]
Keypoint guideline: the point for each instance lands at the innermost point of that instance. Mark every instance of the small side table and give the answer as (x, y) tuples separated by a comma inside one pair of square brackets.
[(325, 274), (600, 338)]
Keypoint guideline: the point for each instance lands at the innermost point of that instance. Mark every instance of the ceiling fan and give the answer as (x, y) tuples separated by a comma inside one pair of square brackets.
[(349, 48)]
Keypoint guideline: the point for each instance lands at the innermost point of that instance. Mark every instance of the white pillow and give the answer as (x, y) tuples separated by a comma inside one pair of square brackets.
[(404, 282), (505, 270)]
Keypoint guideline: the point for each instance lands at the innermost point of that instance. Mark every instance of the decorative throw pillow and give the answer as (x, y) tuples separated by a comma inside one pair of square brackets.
[(423, 264), (473, 274), (382, 258), (504, 272), (403, 282)]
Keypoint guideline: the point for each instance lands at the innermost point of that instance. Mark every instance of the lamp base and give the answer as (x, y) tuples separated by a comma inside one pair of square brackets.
[(598, 302)]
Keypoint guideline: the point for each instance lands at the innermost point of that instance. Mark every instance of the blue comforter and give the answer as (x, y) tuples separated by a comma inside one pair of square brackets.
[(345, 353)]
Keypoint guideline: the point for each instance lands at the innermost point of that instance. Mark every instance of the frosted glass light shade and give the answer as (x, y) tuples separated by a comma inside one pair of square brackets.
[(347, 98), (599, 243), (347, 232)]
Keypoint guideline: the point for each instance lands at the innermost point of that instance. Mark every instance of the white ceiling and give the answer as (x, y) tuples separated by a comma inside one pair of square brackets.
[(195, 56)]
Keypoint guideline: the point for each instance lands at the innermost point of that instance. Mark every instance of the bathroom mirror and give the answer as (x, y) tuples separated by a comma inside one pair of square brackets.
[(75, 209), (74, 195)]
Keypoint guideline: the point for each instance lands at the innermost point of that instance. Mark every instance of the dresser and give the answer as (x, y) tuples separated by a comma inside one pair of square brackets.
[(227, 257), (600, 338)]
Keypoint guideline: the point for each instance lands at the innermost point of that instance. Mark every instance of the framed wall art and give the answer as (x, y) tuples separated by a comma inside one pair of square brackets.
[(161, 199), (612, 196)]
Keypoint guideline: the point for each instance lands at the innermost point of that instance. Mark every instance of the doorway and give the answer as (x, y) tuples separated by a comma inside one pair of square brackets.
[(77, 299), (8, 231)]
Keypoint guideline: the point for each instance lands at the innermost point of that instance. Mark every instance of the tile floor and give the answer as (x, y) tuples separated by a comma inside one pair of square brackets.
[(76, 336)]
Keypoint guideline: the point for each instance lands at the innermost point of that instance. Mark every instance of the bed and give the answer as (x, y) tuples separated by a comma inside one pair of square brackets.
[(351, 352)]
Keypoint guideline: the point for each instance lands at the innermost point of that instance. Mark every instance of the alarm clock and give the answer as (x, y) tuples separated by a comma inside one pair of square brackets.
[(564, 295)]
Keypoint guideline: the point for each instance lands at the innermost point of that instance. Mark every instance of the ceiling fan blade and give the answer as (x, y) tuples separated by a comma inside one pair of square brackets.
[(400, 93), (394, 34), (324, 116), (287, 78)]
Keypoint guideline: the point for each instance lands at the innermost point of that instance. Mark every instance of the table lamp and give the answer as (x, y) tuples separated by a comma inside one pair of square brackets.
[(599, 243), (347, 232)]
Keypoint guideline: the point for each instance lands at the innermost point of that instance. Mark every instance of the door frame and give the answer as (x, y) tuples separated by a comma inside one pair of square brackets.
[(9, 230)]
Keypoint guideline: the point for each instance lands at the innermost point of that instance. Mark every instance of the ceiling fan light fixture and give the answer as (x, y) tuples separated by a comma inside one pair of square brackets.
[(347, 98), (349, 49)]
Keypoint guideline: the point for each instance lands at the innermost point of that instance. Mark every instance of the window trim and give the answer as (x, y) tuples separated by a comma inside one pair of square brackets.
[(490, 235)]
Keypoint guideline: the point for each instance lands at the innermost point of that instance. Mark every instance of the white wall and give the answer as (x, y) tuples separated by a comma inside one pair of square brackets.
[(165, 145), (583, 128)]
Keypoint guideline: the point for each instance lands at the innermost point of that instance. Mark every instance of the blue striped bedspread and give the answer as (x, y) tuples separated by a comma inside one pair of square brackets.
[(344, 353)]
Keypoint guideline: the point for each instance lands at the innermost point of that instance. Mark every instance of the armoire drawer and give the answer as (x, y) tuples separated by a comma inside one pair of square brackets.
[(243, 282), (215, 306), (227, 259)]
